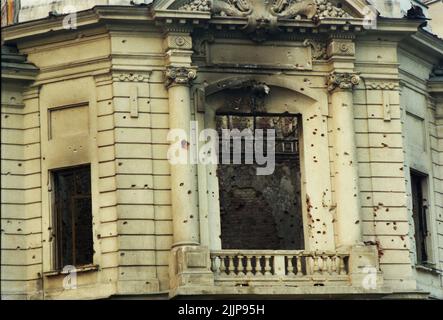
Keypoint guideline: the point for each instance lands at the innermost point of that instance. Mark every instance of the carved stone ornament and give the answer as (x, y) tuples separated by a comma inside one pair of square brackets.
[(179, 76), (344, 81), (382, 86), (131, 77), (263, 15), (319, 49), (285, 9)]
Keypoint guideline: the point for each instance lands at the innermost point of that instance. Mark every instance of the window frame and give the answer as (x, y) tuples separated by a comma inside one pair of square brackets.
[(425, 214), (56, 217)]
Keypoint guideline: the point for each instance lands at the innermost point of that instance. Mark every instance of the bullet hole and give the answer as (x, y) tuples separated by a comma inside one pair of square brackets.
[(33, 257), (123, 41), (185, 144), (124, 117), (6, 116), (189, 192), (357, 222), (182, 184), (133, 186), (185, 221), (122, 254), (346, 154), (191, 216), (146, 186), (384, 145), (120, 164), (367, 198), (19, 230), (126, 222), (99, 236), (19, 164)]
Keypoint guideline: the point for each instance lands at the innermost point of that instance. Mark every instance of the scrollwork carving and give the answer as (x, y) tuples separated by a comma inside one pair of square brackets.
[(382, 86), (343, 81), (131, 77), (179, 76)]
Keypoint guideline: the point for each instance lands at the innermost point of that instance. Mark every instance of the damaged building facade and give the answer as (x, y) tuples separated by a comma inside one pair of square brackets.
[(92, 208)]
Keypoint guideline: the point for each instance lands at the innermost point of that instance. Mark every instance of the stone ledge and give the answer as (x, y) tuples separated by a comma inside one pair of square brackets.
[(279, 292)]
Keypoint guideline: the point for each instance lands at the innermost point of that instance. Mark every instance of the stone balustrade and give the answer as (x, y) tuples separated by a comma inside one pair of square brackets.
[(283, 265)]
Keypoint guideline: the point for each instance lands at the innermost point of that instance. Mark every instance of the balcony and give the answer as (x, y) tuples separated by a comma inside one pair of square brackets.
[(300, 268), (352, 271)]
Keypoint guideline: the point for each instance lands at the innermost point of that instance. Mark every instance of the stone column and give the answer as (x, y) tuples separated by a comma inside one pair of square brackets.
[(183, 175), (190, 264), (347, 195)]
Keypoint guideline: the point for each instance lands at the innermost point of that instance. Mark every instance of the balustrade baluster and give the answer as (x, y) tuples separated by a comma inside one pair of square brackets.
[(240, 267), (249, 266), (299, 265), (334, 265), (215, 267), (222, 265), (268, 267), (316, 267), (290, 271), (231, 266), (326, 265), (341, 265)]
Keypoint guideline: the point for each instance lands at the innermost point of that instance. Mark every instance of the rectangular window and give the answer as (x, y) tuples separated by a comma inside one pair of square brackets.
[(261, 212), (73, 216), (419, 212)]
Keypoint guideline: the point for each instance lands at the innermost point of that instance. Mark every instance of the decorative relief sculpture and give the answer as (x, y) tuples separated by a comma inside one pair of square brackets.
[(319, 49), (263, 15), (288, 9), (344, 81), (131, 77), (179, 76), (325, 9), (239, 8), (382, 86), (285, 9)]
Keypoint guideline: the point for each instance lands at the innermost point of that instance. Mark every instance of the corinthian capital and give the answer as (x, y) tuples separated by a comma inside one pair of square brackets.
[(344, 81), (179, 76)]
